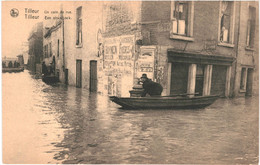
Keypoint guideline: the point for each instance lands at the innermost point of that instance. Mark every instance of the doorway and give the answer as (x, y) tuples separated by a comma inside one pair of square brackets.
[(67, 76), (78, 73), (93, 76), (179, 78), (249, 83), (199, 80)]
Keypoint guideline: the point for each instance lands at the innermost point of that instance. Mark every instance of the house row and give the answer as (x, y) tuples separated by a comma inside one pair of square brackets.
[(12, 62), (202, 47)]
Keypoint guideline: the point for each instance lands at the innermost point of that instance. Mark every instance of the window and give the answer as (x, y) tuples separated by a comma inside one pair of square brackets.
[(251, 27), (243, 79), (50, 50), (58, 49), (182, 17), (79, 26), (226, 21), (44, 51), (47, 51)]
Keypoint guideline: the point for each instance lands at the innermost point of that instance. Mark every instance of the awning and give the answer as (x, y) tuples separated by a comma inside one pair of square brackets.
[(197, 58)]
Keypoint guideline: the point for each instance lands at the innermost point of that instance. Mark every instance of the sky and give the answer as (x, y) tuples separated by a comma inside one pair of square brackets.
[(15, 30)]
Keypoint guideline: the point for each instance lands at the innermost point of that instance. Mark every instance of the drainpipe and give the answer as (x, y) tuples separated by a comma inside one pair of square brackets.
[(63, 45), (238, 36), (63, 42)]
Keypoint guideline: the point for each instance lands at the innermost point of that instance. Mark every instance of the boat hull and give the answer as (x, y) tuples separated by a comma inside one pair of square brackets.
[(163, 102), (50, 79), (10, 70)]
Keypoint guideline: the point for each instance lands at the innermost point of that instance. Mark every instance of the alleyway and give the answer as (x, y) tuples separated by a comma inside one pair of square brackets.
[(60, 124)]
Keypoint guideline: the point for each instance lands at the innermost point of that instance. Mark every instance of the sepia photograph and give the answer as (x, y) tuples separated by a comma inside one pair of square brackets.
[(130, 82)]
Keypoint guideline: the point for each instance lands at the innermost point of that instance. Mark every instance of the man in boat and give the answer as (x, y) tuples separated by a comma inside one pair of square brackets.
[(150, 87)]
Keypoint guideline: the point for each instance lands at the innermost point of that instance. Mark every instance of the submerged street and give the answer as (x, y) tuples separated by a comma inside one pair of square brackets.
[(64, 124)]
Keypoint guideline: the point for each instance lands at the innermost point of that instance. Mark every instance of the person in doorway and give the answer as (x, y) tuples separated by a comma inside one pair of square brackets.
[(150, 87), (52, 67), (44, 68)]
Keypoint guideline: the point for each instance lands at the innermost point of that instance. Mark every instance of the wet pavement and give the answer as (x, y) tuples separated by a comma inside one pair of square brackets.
[(63, 124)]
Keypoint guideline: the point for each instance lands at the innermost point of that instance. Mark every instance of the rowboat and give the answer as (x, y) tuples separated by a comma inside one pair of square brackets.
[(164, 102), (50, 79)]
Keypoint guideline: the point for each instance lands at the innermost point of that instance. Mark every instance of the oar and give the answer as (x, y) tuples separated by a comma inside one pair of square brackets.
[(184, 94)]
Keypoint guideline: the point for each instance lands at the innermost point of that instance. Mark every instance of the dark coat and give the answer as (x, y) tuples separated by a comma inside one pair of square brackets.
[(44, 69), (152, 88)]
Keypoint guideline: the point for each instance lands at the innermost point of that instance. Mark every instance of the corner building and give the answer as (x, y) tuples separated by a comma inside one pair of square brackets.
[(188, 47)]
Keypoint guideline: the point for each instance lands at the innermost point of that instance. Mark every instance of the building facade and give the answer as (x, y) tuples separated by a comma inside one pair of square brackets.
[(8, 62), (247, 67), (35, 52), (20, 60), (188, 47), (53, 47), (81, 46)]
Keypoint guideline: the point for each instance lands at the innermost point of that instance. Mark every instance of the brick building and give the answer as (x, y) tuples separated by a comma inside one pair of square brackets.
[(20, 59), (189, 47), (53, 46), (247, 66), (35, 41)]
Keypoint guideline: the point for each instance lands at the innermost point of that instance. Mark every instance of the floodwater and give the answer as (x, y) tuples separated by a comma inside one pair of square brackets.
[(59, 124)]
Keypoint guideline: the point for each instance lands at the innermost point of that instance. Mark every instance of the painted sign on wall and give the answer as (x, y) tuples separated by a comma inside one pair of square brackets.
[(118, 64)]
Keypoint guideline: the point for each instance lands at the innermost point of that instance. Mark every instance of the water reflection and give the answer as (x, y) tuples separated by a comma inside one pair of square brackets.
[(75, 126)]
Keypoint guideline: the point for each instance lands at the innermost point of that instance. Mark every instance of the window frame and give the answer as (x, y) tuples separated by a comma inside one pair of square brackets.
[(250, 36), (189, 29), (243, 79), (230, 42), (50, 45), (79, 38)]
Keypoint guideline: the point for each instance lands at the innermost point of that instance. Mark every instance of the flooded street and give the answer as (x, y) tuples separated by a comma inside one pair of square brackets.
[(60, 124)]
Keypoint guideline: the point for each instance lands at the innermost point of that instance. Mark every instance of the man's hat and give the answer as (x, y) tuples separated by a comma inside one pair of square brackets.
[(144, 76)]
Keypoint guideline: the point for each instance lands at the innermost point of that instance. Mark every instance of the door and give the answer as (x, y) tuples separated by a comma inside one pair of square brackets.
[(66, 76), (179, 78), (218, 81), (93, 76), (199, 80), (249, 83), (79, 73)]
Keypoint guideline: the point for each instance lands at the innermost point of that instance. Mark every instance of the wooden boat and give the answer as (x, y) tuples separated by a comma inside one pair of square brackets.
[(10, 70), (164, 102), (50, 79)]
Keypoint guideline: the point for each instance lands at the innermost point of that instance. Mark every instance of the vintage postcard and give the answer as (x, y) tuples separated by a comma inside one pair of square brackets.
[(130, 82)]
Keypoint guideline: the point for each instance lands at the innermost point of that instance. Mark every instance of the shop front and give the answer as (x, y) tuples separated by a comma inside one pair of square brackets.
[(198, 74)]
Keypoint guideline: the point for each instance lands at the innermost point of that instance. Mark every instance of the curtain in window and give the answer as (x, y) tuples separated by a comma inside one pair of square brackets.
[(225, 21), (180, 15)]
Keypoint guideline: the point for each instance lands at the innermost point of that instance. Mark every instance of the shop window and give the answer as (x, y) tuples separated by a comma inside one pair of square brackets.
[(243, 79), (226, 21), (182, 18), (251, 27), (199, 79), (79, 26)]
